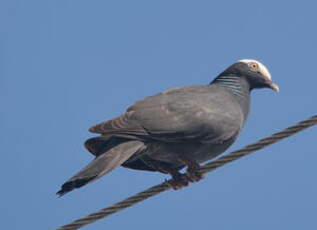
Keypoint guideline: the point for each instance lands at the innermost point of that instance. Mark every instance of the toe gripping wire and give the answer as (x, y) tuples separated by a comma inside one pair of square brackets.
[(204, 169)]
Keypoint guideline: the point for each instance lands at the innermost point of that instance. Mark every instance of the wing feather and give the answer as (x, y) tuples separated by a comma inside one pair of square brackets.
[(175, 115)]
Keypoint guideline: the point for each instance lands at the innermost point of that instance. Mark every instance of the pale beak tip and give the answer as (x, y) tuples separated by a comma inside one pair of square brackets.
[(275, 87)]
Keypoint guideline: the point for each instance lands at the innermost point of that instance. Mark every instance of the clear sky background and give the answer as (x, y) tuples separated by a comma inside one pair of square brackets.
[(67, 65)]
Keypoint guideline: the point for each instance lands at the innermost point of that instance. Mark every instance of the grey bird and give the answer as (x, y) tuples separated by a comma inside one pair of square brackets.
[(179, 127)]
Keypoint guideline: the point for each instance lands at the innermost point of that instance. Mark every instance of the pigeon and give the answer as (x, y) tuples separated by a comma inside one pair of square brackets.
[(177, 128)]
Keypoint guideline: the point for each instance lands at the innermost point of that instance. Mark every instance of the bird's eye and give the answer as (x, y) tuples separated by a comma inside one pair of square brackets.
[(254, 66)]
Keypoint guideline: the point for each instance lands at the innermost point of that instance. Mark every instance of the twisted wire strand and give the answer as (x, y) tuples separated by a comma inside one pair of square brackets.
[(206, 168)]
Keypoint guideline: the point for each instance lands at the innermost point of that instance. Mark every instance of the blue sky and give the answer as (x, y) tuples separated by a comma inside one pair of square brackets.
[(67, 65)]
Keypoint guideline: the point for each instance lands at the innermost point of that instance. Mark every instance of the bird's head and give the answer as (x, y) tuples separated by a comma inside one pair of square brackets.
[(255, 72)]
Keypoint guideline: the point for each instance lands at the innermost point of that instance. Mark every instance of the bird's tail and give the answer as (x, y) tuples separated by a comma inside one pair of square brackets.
[(102, 164)]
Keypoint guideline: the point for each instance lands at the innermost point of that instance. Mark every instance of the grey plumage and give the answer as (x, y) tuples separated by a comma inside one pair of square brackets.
[(179, 127)]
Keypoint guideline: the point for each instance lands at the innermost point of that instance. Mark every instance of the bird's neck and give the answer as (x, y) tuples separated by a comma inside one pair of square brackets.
[(237, 85)]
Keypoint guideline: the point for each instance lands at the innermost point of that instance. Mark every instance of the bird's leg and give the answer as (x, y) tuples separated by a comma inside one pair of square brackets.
[(178, 180), (192, 169)]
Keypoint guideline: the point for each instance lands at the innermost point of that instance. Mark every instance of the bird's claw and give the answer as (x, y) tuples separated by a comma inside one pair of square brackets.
[(183, 180), (179, 182), (194, 175)]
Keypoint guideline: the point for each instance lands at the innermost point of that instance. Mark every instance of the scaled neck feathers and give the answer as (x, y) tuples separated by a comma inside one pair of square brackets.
[(238, 86)]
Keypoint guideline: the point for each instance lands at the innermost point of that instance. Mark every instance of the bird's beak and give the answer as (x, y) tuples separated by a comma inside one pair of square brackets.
[(272, 85)]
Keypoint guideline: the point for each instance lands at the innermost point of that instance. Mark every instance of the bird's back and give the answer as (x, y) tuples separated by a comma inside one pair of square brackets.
[(206, 109)]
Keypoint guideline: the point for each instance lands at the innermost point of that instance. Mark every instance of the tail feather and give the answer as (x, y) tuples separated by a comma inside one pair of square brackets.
[(70, 185), (102, 165)]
